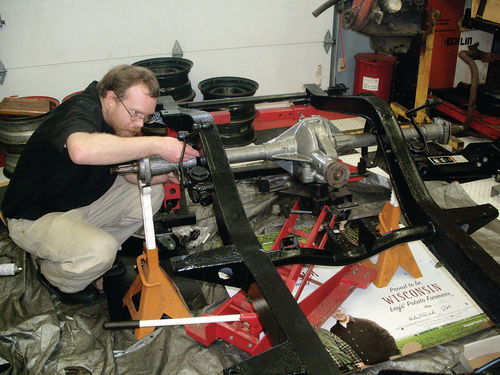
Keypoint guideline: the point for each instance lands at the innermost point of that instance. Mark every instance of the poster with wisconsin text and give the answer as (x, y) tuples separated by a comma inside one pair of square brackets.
[(428, 310)]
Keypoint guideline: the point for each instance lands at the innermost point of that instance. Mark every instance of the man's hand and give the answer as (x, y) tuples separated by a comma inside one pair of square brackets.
[(171, 150), (361, 365), (168, 178)]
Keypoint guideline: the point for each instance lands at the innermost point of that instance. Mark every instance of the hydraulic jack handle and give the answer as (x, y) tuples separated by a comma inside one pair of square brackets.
[(250, 318), (412, 113), (429, 103)]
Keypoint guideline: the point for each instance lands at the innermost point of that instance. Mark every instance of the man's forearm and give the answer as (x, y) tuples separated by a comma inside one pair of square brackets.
[(105, 149)]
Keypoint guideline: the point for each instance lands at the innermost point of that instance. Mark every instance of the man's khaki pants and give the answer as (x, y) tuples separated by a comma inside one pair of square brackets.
[(78, 246)]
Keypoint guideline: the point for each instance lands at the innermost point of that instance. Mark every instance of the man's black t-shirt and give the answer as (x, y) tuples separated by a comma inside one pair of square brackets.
[(45, 179)]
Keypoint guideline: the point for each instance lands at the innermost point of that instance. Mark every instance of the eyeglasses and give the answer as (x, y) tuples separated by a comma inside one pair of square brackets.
[(136, 116)]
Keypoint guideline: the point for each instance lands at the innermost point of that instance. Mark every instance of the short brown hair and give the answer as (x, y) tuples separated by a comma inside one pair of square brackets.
[(121, 77)]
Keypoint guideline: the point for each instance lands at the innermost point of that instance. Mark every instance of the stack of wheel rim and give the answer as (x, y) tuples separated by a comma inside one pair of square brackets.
[(172, 74), (240, 131), (15, 132)]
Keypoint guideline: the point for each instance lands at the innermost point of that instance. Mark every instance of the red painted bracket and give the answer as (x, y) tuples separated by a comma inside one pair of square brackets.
[(271, 118), (172, 192)]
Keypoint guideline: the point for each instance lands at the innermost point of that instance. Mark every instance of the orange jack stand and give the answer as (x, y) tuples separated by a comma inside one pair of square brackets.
[(159, 295), (389, 261)]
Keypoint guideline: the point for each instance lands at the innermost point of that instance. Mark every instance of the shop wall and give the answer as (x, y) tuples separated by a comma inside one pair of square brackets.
[(56, 47)]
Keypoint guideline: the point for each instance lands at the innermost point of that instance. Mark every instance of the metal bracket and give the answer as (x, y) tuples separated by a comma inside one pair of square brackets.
[(328, 41), (3, 71), (177, 50)]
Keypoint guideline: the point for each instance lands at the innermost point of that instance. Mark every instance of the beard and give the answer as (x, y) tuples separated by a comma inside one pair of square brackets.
[(128, 132)]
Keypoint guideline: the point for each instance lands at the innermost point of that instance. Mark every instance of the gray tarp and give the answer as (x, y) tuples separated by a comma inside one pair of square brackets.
[(40, 335)]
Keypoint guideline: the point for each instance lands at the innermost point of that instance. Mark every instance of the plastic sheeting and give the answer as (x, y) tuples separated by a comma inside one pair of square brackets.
[(40, 335)]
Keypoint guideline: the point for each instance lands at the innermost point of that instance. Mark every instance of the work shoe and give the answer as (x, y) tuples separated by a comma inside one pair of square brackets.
[(87, 295), (117, 269)]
